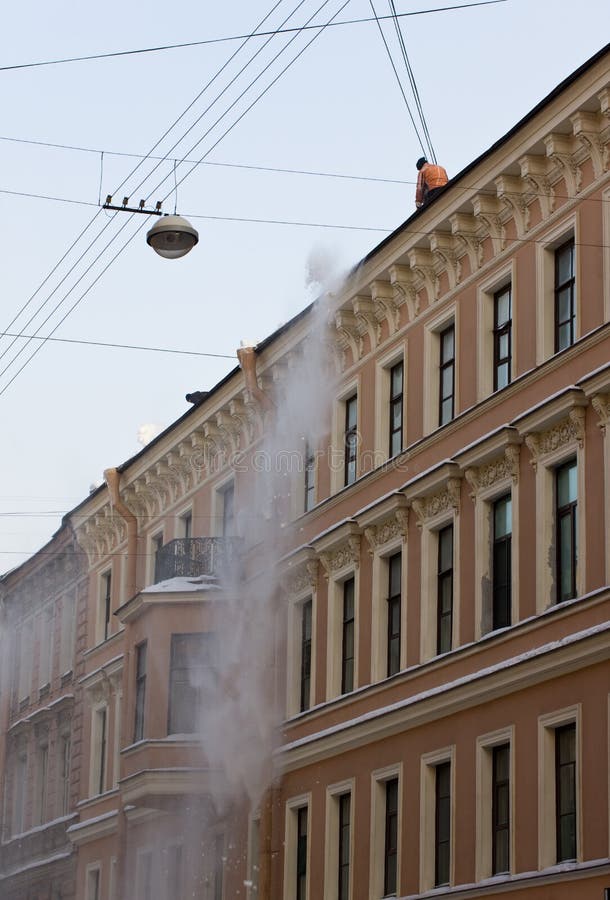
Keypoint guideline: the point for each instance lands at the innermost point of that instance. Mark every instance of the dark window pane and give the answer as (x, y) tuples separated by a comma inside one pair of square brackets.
[(447, 345), (442, 842), (565, 791), (565, 263)]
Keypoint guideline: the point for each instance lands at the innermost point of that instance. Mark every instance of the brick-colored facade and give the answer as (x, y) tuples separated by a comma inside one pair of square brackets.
[(385, 672)]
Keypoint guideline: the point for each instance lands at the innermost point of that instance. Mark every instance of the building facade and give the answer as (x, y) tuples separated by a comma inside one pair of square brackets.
[(345, 624)]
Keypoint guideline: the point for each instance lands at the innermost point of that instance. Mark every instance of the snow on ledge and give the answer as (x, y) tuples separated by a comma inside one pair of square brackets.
[(182, 585)]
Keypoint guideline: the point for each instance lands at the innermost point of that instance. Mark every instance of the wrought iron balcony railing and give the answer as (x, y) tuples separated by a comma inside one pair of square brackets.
[(190, 557)]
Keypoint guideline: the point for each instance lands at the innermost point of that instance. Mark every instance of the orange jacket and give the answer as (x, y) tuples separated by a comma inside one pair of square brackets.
[(429, 177)]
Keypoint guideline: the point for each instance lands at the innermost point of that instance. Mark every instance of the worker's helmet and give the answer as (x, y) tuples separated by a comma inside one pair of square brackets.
[(421, 162)]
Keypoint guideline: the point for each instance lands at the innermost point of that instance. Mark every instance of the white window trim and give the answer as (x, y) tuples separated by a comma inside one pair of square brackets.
[(151, 555), (180, 519), (429, 583), (290, 843), (337, 455), (432, 329), (91, 868), (545, 284), (382, 401), (503, 277), (379, 623), (379, 777), (547, 724), (428, 764), (331, 843), (293, 650), (484, 798), (483, 547), (95, 773), (218, 503), (335, 630), (101, 598)]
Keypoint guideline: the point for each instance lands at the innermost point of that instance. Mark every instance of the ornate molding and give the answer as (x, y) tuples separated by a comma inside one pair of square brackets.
[(445, 249), (465, 228), (427, 508), (601, 405), (560, 148), (347, 554), (510, 189), (587, 128), (570, 429), (401, 279), (302, 578), (366, 322), (537, 186), (396, 525), (422, 265), (348, 335), (505, 466), (487, 211)]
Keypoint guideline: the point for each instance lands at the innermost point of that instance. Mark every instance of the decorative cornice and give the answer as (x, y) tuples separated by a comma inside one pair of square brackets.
[(344, 555), (427, 508), (422, 265), (396, 525), (601, 405), (485, 476), (565, 432), (401, 279)]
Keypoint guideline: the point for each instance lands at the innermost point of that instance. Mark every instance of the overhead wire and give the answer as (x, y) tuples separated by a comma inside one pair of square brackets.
[(84, 294), (133, 347), (412, 81), (185, 44), (135, 169)]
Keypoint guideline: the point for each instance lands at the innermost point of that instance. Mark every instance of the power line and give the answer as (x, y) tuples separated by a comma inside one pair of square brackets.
[(204, 162), (399, 82), (134, 170), (238, 37), (122, 346), (413, 83), (82, 296)]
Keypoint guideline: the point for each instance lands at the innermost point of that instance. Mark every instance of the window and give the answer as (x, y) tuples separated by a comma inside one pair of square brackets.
[(138, 730), (565, 307), (106, 605), (219, 866), (93, 884), (99, 740), (566, 530), (305, 693), (446, 375), (66, 652), (350, 439), (444, 615), (228, 511), (343, 872), (45, 643), (394, 604), (442, 825), (301, 861), (390, 855), (396, 407), (190, 670), (186, 524), (502, 337), (347, 637), (502, 562), (500, 809), (565, 791), (144, 878), (42, 782), (156, 543), (310, 478), (64, 775), (21, 768), (174, 871), (24, 662)]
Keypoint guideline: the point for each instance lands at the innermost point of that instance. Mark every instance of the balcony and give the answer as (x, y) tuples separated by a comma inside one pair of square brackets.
[(191, 557)]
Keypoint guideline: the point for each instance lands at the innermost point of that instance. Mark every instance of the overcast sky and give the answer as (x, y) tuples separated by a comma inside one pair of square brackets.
[(75, 410)]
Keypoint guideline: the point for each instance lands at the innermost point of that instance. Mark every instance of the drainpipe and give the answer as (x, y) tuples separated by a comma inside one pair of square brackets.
[(113, 479), (247, 361)]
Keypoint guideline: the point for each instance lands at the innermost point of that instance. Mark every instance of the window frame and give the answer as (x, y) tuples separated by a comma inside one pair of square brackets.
[(443, 365), (394, 601), (177, 684), (390, 840), (498, 544), (306, 647), (499, 331), (442, 821), (292, 807), (444, 576), (396, 401), (350, 440), (558, 288), (309, 478), (348, 630), (548, 725), (428, 829), (500, 828), (568, 511), (105, 614), (141, 649), (560, 795), (484, 843), (377, 864)]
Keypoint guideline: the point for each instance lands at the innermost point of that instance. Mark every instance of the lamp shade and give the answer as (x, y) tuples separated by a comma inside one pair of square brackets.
[(172, 237)]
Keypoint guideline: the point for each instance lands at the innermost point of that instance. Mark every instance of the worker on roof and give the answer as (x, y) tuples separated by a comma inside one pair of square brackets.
[(430, 180)]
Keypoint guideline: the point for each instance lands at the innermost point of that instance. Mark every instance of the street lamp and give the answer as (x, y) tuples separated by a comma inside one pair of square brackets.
[(172, 237)]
